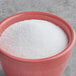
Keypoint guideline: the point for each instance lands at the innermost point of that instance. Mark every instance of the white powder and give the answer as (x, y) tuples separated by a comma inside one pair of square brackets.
[(33, 39)]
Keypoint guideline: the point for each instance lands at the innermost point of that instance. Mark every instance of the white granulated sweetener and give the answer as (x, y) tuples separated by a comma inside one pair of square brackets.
[(33, 39)]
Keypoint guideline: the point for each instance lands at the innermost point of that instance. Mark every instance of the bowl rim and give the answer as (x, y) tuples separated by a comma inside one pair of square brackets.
[(48, 58)]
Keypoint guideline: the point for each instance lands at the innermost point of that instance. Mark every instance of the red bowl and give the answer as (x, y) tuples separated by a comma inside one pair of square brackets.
[(50, 66)]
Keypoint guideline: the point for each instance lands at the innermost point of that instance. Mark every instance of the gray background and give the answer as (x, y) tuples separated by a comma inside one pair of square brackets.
[(63, 8)]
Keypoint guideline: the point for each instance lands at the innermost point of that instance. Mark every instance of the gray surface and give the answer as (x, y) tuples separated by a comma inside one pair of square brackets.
[(63, 8)]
